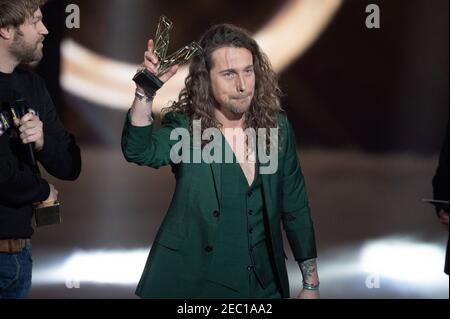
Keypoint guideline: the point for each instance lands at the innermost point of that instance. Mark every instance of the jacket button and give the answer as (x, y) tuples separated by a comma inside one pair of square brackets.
[(216, 213), (249, 268), (208, 249), (250, 212), (250, 193)]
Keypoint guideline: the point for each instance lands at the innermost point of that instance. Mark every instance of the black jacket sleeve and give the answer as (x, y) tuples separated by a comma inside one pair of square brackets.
[(20, 187), (60, 155)]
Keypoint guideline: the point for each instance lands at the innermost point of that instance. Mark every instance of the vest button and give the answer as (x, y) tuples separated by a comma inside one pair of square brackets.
[(250, 212), (250, 231), (208, 249), (250, 193), (216, 213)]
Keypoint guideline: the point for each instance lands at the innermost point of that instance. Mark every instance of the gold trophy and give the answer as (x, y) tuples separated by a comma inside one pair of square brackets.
[(150, 82)]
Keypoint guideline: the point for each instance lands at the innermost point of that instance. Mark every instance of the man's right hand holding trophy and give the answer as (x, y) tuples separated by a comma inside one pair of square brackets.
[(156, 70), (141, 110)]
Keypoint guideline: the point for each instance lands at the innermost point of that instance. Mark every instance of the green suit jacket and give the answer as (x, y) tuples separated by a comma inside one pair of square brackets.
[(179, 260)]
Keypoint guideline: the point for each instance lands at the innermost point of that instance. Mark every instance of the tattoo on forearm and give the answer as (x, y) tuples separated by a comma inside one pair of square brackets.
[(308, 268)]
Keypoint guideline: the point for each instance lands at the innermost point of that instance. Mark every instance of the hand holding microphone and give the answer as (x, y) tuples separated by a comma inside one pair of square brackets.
[(30, 126), (32, 134)]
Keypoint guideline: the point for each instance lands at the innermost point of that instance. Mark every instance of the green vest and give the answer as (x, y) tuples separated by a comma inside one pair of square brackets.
[(241, 236)]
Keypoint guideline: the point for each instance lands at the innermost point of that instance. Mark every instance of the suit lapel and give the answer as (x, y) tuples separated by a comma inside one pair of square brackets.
[(217, 172)]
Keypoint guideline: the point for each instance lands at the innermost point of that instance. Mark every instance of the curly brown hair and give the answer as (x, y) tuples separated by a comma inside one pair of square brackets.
[(196, 100)]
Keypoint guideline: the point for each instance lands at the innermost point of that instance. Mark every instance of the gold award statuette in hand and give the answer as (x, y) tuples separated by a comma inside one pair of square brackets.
[(150, 82)]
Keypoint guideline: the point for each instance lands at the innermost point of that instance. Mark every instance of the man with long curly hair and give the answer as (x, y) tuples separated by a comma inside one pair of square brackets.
[(221, 237)]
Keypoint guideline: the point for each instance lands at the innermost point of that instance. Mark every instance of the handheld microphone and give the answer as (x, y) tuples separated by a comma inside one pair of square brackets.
[(21, 105)]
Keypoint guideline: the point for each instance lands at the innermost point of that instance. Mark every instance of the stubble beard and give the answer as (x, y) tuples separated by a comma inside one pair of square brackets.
[(24, 52), (236, 109)]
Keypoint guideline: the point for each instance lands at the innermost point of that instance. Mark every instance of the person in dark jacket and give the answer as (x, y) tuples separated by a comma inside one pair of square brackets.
[(35, 132), (440, 189)]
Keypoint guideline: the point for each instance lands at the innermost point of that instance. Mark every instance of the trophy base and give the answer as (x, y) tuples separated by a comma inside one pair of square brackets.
[(46, 214), (148, 81)]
